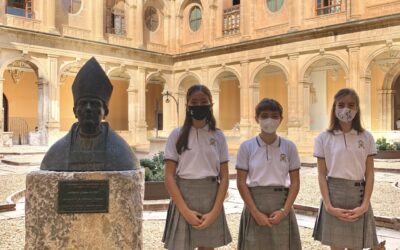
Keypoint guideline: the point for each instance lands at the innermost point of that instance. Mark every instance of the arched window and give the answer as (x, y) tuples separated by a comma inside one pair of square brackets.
[(235, 2), (195, 18), (274, 5), (72, 6), (20, 8), (151, 18), (116, 18)]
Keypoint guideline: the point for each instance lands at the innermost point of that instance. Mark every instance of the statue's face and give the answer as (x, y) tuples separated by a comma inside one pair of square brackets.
[(89, 111)]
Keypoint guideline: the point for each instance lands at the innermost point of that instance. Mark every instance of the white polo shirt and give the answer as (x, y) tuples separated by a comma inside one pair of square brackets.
[(345, 154), (268, 165), (207, 151)]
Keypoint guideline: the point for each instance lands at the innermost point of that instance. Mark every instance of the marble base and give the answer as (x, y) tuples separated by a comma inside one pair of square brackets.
[(120, 228)]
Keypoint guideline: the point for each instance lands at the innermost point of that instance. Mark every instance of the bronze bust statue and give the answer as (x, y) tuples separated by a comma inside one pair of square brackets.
[(90, 145)]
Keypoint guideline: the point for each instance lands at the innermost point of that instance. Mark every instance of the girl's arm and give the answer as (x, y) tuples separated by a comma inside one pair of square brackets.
[(261, 219), (339, 213), (294, 188), (210, 217), (192, 217), (369, 186)]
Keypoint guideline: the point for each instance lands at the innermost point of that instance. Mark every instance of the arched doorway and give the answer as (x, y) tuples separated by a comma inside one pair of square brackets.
[(184, 85), (226, 94), (272, 83), (154, 104), (324, 77), (21, 93)]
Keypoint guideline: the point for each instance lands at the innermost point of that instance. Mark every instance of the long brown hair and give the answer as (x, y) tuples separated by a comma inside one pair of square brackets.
[(182, 142), (356, 123)]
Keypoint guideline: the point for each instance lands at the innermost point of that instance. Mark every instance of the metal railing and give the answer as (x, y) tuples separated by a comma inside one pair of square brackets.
[(231, 23), (20, 130)]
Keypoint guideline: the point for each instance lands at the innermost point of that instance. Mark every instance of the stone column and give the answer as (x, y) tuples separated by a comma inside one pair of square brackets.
[(213, 26), (306, 104), (178, 28), (139, 25), (98, 20), (386, 112), (181, 94), (295, 9), (245, 15), (141, 125), (132, 109), (53, 124), (43, 109), (245, 126), (2, 10), (50, 11), (294, 91), (365, 100), (356, 7), (354, 66), (254, 98), (172, 36), (215, 95), (130, 27)]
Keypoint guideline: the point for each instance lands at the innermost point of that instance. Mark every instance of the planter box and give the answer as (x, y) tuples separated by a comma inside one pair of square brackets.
[(389, 154), (155, 190)]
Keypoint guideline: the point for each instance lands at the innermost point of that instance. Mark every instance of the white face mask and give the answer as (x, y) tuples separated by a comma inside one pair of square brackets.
[(269, 125), (345, 114)]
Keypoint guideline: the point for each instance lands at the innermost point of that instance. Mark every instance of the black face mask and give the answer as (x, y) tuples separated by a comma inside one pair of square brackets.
[(199, 112)]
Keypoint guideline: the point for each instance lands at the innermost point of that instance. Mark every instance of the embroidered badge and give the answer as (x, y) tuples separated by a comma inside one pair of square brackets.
[(361, 144), (212, 141), (283, 157)]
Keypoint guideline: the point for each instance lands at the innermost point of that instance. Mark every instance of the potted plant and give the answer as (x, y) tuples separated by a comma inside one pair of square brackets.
[(387, 150), (154, 188)]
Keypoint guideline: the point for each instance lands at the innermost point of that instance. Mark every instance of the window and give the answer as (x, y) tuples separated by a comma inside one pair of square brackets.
[(116, 21), (72, 6), (195, 18), (274, 5), (328, 6), (151, 18), (235, 2), (20, 8)]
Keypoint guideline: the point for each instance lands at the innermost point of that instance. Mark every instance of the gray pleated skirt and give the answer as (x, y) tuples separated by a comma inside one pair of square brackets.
[(331, 231), (199, 195), (283, 236)]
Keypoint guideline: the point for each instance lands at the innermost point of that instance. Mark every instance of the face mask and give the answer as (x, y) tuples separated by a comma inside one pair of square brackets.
[(269, 125), (199, 112), (345, 114)]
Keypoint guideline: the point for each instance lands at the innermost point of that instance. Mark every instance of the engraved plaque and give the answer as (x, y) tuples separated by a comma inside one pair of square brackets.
[(86, 196)]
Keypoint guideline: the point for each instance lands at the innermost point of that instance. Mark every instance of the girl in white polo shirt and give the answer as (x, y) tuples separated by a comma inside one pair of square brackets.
[(346, 177), (268, 181), (196, 177)]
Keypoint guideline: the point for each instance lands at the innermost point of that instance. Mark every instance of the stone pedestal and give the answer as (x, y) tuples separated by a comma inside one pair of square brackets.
[(120, 228)]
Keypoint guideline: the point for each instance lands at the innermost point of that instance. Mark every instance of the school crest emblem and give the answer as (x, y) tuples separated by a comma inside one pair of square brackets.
[(361, 144), (212, 141), (283, 157)]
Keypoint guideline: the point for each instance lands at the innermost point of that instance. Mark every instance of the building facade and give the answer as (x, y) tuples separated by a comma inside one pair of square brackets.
[(298, 52)]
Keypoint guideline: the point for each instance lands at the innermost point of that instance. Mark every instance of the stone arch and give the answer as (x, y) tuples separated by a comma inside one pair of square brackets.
[(219, 72), (322, 76), (155, 85), (268, 64), (24, 86), (41, 71), (270, 80), (226, 97), (365, 66), (185, 3), (185, 76), (316, 58)]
